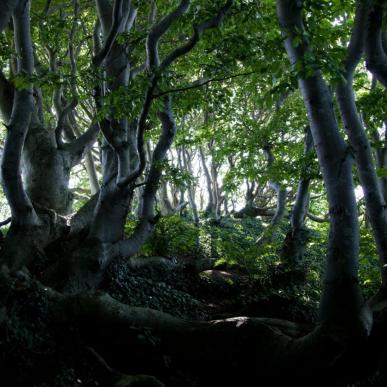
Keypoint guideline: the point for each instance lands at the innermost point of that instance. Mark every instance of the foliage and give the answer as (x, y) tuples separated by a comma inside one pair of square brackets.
[(173, 236)]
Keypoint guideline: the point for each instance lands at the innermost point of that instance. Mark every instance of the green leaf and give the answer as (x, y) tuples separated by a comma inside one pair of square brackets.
[(382, 172)]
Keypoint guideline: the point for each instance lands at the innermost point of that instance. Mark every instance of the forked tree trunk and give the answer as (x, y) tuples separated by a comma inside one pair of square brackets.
[(250, 209)]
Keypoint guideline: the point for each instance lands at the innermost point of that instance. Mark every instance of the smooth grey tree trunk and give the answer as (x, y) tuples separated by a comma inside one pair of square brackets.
[(166, 207), (191, 189), (375, 49), (29, 231), (375, 204), (123, 151), (271, 230), (295, 241), (381, 159), (6, 9), (210, 208), (341, 301)]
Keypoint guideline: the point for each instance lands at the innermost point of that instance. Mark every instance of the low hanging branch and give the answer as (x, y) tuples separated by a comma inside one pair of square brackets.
[(202, 82)]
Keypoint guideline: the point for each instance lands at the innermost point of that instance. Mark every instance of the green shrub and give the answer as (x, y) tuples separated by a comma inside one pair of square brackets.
[(173, 236)]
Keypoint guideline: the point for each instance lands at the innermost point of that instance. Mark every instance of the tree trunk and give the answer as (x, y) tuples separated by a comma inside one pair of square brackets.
[(211, 201), (46, 171), (191, 189), (166, 207), (270, 232), (295, 241), (341, 302)]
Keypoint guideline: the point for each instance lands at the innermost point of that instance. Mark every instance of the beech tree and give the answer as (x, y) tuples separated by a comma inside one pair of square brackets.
[(111, 99), (122, 151)]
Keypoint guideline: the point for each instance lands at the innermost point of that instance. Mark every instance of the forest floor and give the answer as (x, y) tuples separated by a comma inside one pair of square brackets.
[(36, 351)]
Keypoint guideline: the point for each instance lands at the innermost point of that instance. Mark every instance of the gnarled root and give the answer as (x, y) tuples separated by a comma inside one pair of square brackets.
[(231, 352)]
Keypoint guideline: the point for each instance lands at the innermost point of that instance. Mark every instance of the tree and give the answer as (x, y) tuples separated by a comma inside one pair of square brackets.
[(134, 86), (295, 241), (123, 155)]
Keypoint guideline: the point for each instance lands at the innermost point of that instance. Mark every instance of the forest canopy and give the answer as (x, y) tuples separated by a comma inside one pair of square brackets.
[(194, 192)]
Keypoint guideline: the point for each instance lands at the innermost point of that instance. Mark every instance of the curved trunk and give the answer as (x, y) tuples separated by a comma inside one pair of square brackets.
[(375, 204), (25, 221), (375, 50), (216, 190), (371, 37), (341, 301), (148, 219)]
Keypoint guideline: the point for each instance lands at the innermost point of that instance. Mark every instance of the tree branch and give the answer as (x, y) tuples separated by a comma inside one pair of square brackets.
[(115, 27), (147, 219), (83, 143), (123, 181), (198, 32), (202, 82), (159, 29), (357, 40), (61, 122), (104, 10), (5, 222)]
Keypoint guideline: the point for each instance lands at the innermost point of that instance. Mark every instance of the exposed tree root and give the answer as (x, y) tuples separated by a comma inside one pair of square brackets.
[(121, 380), (229, 352)]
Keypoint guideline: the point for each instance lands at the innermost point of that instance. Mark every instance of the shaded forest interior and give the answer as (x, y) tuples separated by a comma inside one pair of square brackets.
[(193, 193)]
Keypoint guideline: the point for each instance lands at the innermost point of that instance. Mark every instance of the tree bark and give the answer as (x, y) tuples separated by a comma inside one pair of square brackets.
[(376, 56), (211, 201), (6, 9), (295, 241), (270, 232), (191, 190), (375, 204), (341, 302)]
